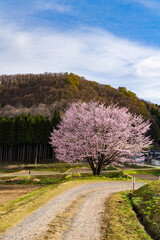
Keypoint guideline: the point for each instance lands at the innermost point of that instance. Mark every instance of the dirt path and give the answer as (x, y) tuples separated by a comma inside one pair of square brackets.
[(84, 223)]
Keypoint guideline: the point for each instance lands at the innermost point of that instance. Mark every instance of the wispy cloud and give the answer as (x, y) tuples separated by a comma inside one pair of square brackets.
[(95, 54), (151, 4), (53, 6)]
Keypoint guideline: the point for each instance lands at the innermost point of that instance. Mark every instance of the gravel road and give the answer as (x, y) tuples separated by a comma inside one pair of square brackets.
[(85, 225)]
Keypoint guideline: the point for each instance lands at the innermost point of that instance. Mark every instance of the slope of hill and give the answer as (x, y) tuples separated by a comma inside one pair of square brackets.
[(43, 93)]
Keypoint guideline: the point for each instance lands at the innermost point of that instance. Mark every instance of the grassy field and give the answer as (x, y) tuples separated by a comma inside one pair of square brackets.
[(46, 176), (120, 221), (33, 180), (146, 201), (153, 171), (54, 167)]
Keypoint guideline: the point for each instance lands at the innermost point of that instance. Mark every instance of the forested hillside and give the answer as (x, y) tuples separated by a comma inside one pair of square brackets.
[(45, 92), (22, 97)]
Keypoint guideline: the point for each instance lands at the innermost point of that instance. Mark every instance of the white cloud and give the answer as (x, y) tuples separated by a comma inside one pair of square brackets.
[(92, 53), (149, 67), (150, 94)]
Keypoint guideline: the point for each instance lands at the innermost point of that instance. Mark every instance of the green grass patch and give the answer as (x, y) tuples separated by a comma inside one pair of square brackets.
[(55, 167), (152, 171), (112, 175), (110, 167), (120, 221), (146, 201), (38, 179), (58, 178), (119, 175), (136, 166)]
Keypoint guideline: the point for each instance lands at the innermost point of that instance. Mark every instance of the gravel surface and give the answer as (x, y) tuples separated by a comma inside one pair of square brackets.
[(85, 224)]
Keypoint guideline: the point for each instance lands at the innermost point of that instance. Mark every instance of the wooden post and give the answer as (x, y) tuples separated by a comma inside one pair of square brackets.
[(133, 182)]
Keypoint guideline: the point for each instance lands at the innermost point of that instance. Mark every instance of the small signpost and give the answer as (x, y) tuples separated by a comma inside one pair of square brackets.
[(133, 183)]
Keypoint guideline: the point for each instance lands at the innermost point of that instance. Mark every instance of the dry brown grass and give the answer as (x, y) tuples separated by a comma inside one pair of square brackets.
[(10, 192)]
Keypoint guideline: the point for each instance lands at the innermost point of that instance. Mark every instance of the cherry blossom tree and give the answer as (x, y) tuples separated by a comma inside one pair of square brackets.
[(99, 135)]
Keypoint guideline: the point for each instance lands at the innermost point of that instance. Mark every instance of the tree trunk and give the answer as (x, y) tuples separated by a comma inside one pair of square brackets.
[(95, 169), (36, 155), (99, 170)]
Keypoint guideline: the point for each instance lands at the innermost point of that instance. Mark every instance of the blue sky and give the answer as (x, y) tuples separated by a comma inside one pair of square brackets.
[(114, 42)]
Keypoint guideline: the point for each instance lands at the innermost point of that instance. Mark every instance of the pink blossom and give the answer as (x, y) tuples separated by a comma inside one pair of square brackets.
[(99, 135)]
